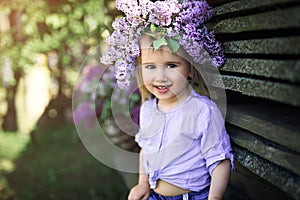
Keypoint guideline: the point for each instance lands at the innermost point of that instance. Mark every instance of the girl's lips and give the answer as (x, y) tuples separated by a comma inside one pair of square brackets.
[(162, 89)]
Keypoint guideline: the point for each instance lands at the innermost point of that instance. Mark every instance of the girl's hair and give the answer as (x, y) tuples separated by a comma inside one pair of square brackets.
[(196, 81)]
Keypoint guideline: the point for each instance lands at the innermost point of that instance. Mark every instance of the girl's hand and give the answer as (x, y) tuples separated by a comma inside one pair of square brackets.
[(139, 192)]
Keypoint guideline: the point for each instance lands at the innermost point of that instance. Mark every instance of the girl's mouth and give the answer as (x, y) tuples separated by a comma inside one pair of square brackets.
[(162, 89)]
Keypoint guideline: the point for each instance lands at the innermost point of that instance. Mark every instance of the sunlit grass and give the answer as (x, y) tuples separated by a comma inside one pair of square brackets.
[(56, 166), (12, 144)]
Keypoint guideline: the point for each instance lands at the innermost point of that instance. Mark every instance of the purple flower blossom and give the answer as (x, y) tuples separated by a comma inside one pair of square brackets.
[(162, 12), (172, 19), (96, 90), (190, 30), (218, 60), (146, 7), (84, 112), (121, 24), (126, 6), (123, 83)]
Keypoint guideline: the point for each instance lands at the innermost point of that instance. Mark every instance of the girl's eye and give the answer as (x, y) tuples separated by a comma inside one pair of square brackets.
[(150, 66), (171, 66)]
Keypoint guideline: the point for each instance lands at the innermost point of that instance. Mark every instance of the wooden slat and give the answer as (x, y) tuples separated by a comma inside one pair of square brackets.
[(245, 185), (279, 19), (279, 92), (272, 122), (255, 5), (274, 174), (215, 3), (288, 70), (280, 45), (285, 159)]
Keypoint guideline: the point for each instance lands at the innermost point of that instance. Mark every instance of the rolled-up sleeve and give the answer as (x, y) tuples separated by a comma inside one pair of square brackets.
[(215, 142)]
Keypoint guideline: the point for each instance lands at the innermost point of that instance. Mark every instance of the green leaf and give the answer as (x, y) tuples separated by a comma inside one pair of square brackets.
[(180, 1), (152, 28), (66, 60), (153, 35), (105, 109), (158, 43), (176, 37), (173, 45)]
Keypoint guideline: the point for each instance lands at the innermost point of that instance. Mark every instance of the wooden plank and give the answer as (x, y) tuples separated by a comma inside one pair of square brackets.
[(283, 179), (266, 150), (245, 185), (280, 45), (288, 70), (256, 5), (280, 92), (275, 123), (278, 19), (215, 3)]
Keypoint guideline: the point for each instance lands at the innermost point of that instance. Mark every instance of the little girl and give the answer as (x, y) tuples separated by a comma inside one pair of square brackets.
[(185, 150)]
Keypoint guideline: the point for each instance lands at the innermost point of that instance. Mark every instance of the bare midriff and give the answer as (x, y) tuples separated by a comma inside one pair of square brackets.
[(167, 189)]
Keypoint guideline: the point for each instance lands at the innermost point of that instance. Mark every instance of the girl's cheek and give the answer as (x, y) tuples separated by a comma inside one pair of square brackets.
[(147, 77)]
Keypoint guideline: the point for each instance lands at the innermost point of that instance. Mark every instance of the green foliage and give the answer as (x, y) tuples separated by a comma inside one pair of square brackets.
[(173, 44), (57, 166), (156, 32), (160, 42), (47, 26), (12, 145)]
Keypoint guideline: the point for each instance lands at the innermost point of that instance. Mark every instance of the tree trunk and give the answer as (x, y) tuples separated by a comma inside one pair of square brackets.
[(10, 119)]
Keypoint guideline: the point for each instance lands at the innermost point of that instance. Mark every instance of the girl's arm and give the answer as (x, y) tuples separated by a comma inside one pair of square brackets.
[(142, 190), (220, 180)]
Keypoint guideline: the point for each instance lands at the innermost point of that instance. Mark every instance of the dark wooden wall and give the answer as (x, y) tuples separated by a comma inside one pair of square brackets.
[(261, 77)]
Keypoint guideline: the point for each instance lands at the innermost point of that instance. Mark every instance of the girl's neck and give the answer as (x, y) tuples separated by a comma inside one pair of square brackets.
[(167, 105)]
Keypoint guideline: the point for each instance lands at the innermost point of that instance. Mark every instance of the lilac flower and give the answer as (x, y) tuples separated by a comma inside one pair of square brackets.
[(123, 83), (84, 112), (162, 12), (136, 21), (92, 72), (121, 24), (196, 11), (171, 18), (190, 30), (96, 90), (146, 7), (218, 60), (126, 6)]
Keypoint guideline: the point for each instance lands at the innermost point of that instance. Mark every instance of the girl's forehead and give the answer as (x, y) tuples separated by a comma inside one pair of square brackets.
[(148, 55), (164, 53)]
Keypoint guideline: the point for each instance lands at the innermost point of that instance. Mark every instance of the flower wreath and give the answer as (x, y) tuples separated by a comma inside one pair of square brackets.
[(179, 23)]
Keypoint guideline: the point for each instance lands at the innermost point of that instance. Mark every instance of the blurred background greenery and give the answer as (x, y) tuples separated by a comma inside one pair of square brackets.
[(42, 44)]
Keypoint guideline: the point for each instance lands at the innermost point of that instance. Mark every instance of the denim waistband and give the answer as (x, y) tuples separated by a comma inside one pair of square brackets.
[(202, 195)]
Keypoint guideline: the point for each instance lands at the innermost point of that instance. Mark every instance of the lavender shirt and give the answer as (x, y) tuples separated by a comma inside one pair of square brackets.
[(185, 144)]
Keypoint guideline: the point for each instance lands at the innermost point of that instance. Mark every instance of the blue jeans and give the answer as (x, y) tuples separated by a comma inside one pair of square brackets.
[(202, 195)]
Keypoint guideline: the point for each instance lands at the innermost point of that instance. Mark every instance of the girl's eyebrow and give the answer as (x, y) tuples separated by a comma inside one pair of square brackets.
[(173, 62), (149, 63), (168, 62)]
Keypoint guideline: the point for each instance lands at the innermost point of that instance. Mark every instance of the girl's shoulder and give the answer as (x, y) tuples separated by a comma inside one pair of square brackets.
[(202, 105), (201, 102)]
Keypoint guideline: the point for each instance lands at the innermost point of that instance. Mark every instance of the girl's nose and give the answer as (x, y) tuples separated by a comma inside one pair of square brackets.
[(161, 75)]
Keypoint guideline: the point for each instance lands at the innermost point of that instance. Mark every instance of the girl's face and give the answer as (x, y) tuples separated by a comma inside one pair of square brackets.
[(165, 75)]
